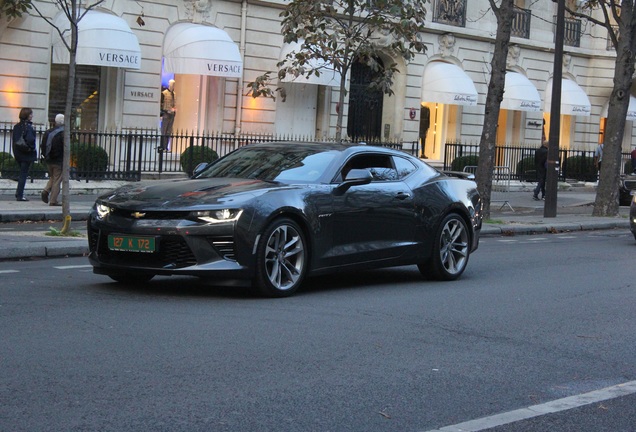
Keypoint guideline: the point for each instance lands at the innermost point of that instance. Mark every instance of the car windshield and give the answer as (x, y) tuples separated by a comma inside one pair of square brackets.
[(265, 163)]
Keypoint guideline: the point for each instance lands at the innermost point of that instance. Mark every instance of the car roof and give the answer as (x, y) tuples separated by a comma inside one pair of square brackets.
[(344, 147)]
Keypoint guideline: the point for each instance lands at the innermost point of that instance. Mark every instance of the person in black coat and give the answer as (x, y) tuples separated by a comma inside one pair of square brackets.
[(541, 162), (24, 155)]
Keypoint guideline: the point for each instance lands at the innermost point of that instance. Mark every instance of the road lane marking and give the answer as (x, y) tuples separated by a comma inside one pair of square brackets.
[(9, 271), (72, 267), (542, 409)]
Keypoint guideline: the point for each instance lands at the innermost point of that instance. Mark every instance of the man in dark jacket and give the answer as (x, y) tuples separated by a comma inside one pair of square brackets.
[(541, 162), (52, 148)]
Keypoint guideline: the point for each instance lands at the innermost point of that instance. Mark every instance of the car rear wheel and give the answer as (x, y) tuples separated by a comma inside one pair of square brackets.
[(281, 259), (451, 250), (131, 278)]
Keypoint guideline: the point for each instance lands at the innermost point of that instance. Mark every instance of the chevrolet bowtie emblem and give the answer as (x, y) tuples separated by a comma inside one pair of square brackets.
[(138, 215)]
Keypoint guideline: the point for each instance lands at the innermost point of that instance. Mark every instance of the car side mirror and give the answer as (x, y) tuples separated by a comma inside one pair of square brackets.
[(199, 168), (355, 177)]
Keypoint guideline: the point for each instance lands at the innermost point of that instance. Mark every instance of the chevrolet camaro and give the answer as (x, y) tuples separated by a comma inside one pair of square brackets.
[(275, 213)]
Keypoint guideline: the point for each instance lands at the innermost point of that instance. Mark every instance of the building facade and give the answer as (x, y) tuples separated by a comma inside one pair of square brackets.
[(130, 50)]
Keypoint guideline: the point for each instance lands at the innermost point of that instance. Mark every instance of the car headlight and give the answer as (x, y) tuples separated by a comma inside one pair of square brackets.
[(216, 216), (102, 210)]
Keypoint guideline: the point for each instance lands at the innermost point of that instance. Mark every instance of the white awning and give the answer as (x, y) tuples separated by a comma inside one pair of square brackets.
[(447, 83), (574, 101), (520, 94), (103, 40), (631, 110), (198, 49), (328, 75)]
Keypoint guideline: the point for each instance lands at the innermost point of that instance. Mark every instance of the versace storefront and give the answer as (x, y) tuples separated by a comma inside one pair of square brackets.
[(201, 54)]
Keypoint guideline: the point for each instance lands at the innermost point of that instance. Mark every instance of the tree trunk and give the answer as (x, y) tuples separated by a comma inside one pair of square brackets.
[(607, 193), (494, 97), (68, 112)]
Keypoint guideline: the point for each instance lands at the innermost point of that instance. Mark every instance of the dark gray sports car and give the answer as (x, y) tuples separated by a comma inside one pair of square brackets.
[(274, 213)]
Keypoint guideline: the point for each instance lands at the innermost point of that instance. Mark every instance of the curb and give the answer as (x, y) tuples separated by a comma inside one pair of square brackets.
[(41, 216), (546, 228)]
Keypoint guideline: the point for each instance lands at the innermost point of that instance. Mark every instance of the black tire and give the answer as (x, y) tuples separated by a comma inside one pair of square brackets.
[(131, 278), (281, 259), (451, 250)]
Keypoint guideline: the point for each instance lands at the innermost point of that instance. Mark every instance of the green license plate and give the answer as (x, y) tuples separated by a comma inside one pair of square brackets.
[(131, 243)]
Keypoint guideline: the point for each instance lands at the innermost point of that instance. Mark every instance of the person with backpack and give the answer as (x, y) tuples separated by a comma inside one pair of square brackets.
[(52, 149)]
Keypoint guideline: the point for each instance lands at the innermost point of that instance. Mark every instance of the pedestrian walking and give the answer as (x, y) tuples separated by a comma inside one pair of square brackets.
[(541, 163), (634, 161), (598, 157), (24, 149), (52, 149)]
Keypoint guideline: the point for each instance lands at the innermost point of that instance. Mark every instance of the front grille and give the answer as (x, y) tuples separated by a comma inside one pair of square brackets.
[(172, 252), (224, 246), (151, 215)]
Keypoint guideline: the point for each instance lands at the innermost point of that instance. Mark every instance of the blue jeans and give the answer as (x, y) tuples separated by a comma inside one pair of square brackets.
[(24, 172)]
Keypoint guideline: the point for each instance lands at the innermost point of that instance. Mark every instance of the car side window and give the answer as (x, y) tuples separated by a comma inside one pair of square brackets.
[(403, 166), (380, 166)]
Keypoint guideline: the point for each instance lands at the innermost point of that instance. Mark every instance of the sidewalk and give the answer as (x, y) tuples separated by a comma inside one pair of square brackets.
[(512, 213)]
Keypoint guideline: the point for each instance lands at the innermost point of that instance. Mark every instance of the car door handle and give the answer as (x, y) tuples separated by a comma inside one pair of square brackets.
[(403, 195)]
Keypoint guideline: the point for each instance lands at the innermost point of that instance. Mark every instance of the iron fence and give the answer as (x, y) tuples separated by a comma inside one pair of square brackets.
[(126, 155), (573, 164)]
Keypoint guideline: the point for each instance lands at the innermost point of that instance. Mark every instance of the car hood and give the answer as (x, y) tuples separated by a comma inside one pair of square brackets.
[(187, 194)]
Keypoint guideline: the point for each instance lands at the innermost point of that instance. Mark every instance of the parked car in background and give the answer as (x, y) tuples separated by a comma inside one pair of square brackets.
[(274, 213), (628, 184)]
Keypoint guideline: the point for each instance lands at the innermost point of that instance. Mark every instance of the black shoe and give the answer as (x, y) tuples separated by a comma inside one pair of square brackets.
[(22, 199), (536, 198), (45, 196)]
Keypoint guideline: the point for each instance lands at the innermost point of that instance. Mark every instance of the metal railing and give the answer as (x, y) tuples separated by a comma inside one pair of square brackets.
[(571, 31), (125, 155), (451, 12), (518, 161), (521, 22)]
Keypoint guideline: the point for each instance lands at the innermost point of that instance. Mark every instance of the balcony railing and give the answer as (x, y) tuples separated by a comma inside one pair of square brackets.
[(450, 12), (521, 23), (571, 32)]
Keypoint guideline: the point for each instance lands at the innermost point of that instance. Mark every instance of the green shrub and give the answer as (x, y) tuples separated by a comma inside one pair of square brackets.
[(193, 156), (9, 169), (5, 156), (527, 169), (89, 160), (628, 167), (38, 170), (580, 168), (459, 163)]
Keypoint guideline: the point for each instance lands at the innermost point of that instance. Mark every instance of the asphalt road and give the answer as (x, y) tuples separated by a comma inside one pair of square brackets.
[(534, 319)]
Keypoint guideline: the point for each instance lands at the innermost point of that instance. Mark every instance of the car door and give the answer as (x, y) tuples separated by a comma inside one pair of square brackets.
[(375, 221)]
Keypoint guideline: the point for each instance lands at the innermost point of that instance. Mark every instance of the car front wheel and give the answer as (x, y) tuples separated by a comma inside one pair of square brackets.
[(281, 261), (451, 250)]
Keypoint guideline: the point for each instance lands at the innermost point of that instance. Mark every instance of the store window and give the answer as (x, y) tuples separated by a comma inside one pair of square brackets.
[(86, 99)]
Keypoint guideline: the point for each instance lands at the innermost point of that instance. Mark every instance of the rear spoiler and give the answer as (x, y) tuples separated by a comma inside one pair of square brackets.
[(460, 174)]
